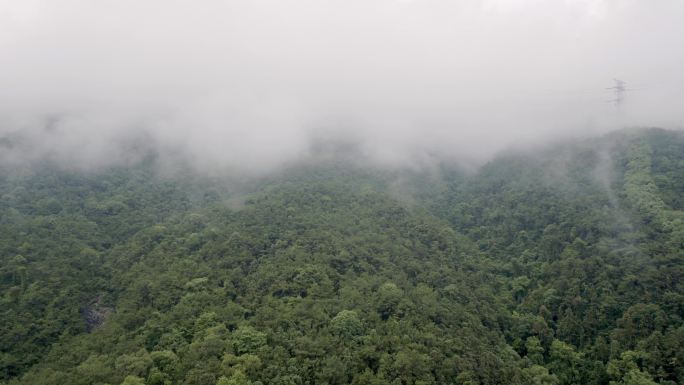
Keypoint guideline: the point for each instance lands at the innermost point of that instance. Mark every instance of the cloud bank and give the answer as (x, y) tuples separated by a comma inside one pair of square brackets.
[(253, 84)]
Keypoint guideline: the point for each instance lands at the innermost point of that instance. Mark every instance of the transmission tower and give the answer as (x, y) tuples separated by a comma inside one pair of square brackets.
[(619, 89)]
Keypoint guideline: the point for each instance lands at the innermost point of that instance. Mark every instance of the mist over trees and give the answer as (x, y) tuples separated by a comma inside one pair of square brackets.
[(248, 86), (366, 192), (540, 268)]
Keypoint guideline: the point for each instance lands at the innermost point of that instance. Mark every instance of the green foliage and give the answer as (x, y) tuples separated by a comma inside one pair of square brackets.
[(133, 380), (347, 324), (388, 298), (237, 378), (538, 375), (559, 267), (535, 352), (248, 340)]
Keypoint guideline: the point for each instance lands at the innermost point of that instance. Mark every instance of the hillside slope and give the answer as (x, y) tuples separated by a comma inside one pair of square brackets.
[(558, 267)]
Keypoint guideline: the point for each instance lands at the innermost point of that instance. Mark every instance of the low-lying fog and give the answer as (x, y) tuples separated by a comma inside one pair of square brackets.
[(253, 84)]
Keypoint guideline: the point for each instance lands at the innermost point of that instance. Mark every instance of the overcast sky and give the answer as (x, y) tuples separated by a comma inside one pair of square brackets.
[(251, 84)]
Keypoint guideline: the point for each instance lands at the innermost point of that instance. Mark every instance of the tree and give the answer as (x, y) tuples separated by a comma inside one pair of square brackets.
[(535, 352), (565, 363), (538, 375), (137, 364), (346, 324), (246, 339), (237, 378), (133, 380), (388, 298)]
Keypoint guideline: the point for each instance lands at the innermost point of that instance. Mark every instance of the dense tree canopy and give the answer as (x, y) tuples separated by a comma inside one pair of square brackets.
[(560, 267)]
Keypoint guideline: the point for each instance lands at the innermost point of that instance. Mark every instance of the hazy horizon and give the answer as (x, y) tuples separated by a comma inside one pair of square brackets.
[(251, 85)]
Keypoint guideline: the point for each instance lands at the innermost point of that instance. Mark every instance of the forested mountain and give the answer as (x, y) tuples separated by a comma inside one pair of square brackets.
[(558, 266)]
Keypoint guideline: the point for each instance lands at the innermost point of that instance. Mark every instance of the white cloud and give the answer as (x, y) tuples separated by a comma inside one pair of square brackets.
[(251, 84)]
